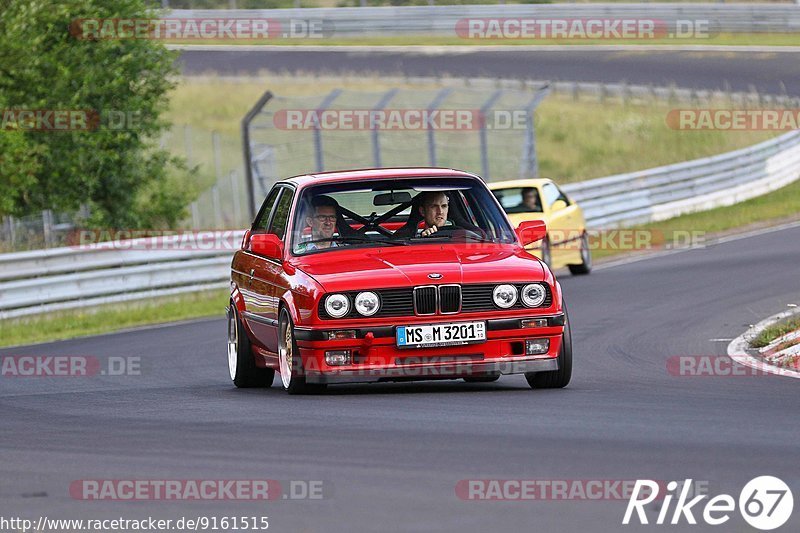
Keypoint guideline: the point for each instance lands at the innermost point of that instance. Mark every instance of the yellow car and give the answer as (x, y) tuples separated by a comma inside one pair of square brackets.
[(567, 243)]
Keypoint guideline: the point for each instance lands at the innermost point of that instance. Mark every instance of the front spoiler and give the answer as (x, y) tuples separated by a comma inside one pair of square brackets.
[(438, 371)]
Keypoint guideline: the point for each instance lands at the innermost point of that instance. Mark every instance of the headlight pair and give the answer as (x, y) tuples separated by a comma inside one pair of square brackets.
[(506, 295), (367, 303)]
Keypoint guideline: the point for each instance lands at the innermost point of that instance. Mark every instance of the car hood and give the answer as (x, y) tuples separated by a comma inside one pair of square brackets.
[(343, 270)]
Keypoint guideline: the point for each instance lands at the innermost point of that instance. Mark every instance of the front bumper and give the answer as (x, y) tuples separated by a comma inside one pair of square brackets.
[(433, 371), (375, 356)]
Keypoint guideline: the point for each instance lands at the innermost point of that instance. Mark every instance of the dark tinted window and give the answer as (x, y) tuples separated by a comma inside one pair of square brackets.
[(262, 220), (281, 216)]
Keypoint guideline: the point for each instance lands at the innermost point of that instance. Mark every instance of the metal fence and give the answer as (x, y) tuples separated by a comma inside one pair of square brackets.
[(221, 174), (444, 20), (34, 282), (490, 129), (273, 4)]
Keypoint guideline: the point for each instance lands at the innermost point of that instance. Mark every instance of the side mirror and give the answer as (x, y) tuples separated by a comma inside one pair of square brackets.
[(558, 205), (531, 231), (267, 244)]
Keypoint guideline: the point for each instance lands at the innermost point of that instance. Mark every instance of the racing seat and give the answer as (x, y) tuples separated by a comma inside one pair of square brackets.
[(409, 229)]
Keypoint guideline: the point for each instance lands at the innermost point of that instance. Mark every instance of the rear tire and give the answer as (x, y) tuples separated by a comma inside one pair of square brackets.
[(241, 363), (585, 265), (291, 363), (556, 379)]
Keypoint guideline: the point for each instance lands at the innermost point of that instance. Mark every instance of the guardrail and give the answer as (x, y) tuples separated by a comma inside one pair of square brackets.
[(669, 191), (93, 274), (442, 20)]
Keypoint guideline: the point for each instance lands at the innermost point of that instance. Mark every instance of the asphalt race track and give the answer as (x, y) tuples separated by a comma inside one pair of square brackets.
[(391, 455), (768, 72)]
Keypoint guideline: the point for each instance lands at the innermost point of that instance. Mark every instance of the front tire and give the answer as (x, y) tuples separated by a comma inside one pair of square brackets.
[(291, 364), (585, 265), (241, 364), (556, 379)]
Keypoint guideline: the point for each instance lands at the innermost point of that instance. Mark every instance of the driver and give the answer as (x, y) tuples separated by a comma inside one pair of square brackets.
[(530, 200), (323, 224), (433, 208)]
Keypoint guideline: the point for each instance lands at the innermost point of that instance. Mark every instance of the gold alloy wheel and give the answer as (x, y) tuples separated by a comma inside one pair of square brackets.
[(285, 355), (233, 344)]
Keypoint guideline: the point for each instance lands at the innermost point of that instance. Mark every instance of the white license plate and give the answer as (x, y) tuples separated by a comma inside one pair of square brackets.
[(433, 335)]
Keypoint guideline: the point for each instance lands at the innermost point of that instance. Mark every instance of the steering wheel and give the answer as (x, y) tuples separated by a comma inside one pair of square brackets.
[(458, 231)]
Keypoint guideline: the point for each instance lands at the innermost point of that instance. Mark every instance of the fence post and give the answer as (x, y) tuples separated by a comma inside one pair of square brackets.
[(47, 227), (7, 225), (217, 155), (237, 207), (195, 216), (376, 147), (215, 203), (487, 105), (318, 155), (246, 149), (187, 143), (12, 231), (436, 102), (530, 160)]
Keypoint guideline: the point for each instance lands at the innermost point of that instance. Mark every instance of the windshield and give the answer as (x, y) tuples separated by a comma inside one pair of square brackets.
[(399, 212), (519, 199)]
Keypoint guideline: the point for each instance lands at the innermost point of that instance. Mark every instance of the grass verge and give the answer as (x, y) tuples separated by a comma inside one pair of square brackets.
[(780, 205), (774, 331), (111, 317), (576, 139)]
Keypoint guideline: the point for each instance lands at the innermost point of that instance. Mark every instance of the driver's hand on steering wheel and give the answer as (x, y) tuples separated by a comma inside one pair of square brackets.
[(429, 231)]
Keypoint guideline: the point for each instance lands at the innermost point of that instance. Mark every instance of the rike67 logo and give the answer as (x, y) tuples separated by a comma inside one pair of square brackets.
[(765, 503)]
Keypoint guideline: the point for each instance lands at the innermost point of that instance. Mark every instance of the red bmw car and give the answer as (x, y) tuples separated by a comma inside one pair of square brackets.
[(392, 275)]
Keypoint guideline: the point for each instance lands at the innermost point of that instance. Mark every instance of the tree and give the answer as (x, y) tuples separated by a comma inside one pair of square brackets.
[(116, 168)]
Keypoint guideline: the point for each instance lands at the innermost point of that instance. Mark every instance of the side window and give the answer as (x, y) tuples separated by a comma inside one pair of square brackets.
[(262, 221), (551, 194), (562, 196), (281, 216)]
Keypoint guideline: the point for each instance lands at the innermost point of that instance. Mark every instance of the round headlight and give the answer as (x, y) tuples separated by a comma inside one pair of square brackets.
[(533, 294), (367, 303), (337, 305), (505, 296)]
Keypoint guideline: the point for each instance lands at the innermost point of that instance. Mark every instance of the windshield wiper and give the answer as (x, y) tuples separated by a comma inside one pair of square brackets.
[(449, 236)]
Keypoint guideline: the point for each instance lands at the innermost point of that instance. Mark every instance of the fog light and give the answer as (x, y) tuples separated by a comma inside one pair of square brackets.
[(342, 334), (537, 346), (534, 323), (337, 357)]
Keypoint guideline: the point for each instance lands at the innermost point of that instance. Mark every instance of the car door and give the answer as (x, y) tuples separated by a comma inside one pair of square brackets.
[(563, 224), (258, 289)]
